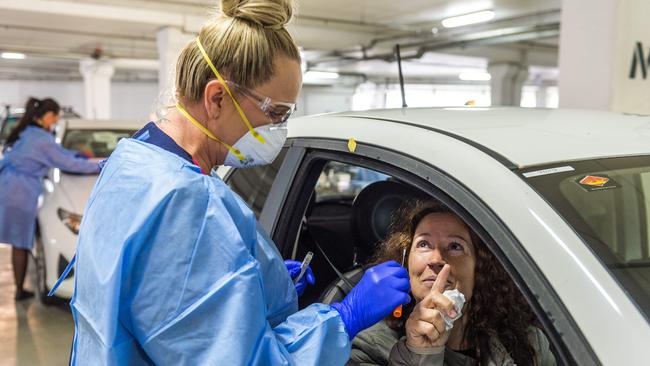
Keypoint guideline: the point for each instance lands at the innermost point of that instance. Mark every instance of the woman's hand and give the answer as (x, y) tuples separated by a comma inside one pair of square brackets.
[(425, 327)]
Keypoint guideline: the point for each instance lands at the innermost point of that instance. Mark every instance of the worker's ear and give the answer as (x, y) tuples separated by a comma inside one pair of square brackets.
[(213, 98)]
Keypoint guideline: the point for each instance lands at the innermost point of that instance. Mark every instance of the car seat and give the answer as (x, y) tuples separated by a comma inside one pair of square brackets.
[(372, 213)]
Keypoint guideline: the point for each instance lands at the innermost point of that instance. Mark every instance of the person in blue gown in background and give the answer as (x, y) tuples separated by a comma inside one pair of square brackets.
[(171, 265), (30, 151)]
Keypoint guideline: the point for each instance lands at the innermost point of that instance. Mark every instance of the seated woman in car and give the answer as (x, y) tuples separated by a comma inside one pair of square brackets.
[(495, 326)]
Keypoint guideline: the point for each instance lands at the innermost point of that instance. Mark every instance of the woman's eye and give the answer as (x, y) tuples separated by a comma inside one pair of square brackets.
[(277, 117), (456, 246), (422, 244), (278, 111)]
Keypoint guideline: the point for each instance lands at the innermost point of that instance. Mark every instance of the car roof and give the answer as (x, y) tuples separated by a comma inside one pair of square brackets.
[(525, 136), (83, 124)]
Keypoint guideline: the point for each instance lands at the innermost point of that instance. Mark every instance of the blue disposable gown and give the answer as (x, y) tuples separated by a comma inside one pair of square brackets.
[(21, 172), (173, 269)]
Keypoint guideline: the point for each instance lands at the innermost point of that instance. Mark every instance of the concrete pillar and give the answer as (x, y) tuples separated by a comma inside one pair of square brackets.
[(541, 91), (506, 83), (541, 96), (170, 42), (605, 55), (97, 76)]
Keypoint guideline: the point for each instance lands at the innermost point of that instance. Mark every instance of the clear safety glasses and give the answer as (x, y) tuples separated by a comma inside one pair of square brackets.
[(277, 112)]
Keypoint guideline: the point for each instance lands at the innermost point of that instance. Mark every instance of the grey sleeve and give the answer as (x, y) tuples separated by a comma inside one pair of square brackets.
[(542, 347), (366, 350), (359, 356), (372, 346), (402, 355)]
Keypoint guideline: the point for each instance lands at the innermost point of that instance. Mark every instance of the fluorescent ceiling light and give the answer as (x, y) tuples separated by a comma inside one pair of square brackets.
[(472, 18), (12, 56), (321, 75), (475, 76)]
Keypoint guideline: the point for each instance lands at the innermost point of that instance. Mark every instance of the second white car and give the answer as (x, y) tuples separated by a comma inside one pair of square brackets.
[(64, 198)]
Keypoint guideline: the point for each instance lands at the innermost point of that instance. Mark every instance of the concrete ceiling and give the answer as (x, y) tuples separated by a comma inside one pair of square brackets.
[(337, 34)]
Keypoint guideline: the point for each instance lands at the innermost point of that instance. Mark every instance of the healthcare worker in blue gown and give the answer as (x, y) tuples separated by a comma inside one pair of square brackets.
[(172, 267), (30, 150)]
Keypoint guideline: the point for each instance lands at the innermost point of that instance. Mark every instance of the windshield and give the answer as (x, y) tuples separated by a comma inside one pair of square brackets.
[(338, 180), (94, 143), (7, 127), (607, 201)]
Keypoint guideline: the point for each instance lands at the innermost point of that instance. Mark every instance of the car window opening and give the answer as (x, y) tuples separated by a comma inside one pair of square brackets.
[(348, 216)]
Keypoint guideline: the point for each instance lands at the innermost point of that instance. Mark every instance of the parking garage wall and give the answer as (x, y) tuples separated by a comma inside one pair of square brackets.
[(130, 100)]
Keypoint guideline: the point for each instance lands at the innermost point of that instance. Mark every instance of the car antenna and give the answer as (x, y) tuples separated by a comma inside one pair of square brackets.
[(401, 75)]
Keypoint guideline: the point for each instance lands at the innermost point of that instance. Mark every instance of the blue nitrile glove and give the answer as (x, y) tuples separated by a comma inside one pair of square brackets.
[(381, 289), (293, 267)]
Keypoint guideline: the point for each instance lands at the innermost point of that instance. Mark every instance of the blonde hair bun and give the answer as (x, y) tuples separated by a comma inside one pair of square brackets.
[(273, 14)]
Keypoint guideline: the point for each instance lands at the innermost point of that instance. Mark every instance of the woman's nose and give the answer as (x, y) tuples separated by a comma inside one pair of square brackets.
[(436, 260)]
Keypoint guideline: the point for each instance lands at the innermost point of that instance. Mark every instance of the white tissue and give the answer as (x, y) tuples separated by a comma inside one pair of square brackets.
[(459, 300)]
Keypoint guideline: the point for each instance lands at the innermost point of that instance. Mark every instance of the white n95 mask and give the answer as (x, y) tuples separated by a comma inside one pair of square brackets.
[(258, 153)]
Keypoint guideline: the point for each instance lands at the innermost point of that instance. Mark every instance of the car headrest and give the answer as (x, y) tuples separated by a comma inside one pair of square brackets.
[(373, 209)]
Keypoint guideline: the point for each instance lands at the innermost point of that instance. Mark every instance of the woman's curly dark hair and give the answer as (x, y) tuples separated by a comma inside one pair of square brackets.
[(496, 308)]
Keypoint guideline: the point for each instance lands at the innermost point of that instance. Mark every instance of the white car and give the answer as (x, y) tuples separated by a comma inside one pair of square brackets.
[(13, 115), (561, 197), (64, 198)]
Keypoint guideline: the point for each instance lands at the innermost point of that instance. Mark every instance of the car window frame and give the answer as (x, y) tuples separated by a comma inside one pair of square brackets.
[(280, 187), (293, 197), (600, 255)]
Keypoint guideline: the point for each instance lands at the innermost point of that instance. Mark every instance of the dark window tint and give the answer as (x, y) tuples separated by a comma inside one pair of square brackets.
[(7, 127), (94, 143), (607, 201), (253, 184)]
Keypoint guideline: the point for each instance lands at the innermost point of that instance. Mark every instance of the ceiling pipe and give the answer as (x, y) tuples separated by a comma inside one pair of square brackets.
[(547, 26), (419, 48), (540, 17)]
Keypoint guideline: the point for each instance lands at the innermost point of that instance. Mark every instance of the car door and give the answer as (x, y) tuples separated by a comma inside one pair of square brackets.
[(254, 184), (283, 215)]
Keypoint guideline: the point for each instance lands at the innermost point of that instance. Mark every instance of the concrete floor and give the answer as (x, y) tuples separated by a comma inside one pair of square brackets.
[(30, 334)]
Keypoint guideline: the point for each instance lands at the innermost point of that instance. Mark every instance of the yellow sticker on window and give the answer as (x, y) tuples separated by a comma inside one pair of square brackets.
[(352, 145)]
